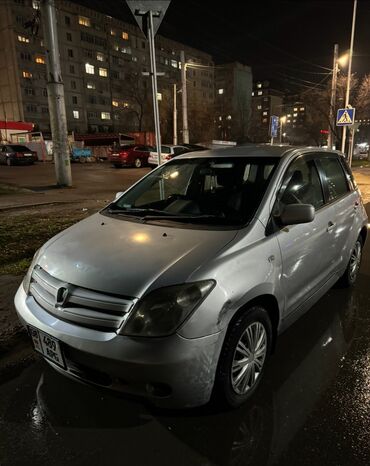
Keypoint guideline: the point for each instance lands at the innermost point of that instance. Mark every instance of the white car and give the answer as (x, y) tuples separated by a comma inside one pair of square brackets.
[(167, 153)]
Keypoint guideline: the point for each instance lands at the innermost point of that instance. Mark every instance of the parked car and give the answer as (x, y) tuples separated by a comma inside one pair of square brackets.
[(167, 153), (130, 155), (194, 147), (14, 154), (179, 288)]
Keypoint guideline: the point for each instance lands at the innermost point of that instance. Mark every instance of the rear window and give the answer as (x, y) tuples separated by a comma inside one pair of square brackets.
[(18, 149)]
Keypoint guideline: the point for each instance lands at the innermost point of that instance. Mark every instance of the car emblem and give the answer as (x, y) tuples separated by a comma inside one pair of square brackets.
[(62, 296)]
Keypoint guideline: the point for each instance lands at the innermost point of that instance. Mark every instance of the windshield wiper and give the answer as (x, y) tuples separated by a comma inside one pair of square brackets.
[(188, 218), (141, 212)]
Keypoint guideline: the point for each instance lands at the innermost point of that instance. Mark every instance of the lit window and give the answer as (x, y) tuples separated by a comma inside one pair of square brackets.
[(83, 21), (289, 115), (100, 56), (220, 118), (115, 103), (264, 120), (174, 63), (134, 58), (220, 91), (76, 114), (113, 32), (288, 121), (27, 74), (105, 115), (295, 114), (179, 65), (126, 50), (103, 72), (24, 39), (295, 109), (90, 85), (159, 95), (228, 117), (302, 109), (36, 4), (125, 35), (259, 107), (116, 47), (90, 69), (40, 60), (252, 94), (264, 113), (294, 121), (259, 92), (126, 104), (259, 85)]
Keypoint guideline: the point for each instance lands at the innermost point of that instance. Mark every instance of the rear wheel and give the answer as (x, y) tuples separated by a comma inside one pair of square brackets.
[(117, 165), (243, 356), (138, 163), (349, 277)]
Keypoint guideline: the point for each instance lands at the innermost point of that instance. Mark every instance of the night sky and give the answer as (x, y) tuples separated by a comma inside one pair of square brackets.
[(288, 42)]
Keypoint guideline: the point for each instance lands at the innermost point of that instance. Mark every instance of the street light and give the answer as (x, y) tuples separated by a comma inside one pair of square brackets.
[(282, 122), (343, 60)]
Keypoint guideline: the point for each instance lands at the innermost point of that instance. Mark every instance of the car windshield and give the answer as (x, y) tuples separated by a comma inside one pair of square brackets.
[(18, 149), (215, 190)]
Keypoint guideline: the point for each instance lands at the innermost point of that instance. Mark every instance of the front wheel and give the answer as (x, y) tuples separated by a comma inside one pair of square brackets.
[(243, 356), (349, 277)]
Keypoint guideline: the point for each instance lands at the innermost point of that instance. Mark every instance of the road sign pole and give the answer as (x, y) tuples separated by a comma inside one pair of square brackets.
[(153, 70), (349, 70)]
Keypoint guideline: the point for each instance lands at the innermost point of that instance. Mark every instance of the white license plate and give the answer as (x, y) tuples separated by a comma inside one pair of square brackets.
[(27, 155), (47, 345)]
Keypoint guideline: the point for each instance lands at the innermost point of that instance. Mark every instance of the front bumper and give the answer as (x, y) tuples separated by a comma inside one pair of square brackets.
[(173, 372)]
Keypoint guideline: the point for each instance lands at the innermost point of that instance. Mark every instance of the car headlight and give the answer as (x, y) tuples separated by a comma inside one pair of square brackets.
[(27, 279), (162, 311)]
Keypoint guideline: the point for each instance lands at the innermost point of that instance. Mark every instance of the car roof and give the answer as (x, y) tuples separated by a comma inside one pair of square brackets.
[(255, 150)]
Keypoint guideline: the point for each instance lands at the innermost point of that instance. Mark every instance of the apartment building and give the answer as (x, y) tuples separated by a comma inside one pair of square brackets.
[(266, 101), (233, 89), (102, 60)]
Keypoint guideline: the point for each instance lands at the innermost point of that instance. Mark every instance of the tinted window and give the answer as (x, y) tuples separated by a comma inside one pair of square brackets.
[(302, 185), (337, 183), (179, 150), (165, 150), (18, 149)]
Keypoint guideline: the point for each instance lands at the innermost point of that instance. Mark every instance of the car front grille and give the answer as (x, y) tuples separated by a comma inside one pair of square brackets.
[(80, 306)]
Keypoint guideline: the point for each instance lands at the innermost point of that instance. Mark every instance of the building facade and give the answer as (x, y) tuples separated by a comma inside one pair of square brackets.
[(233, 90), (266, 101), (102, 60)]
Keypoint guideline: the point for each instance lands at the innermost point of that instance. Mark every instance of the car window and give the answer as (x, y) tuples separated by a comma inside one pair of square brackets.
[(335, 177), (18, 149), (302, 185), (165, 150), (179, 150)]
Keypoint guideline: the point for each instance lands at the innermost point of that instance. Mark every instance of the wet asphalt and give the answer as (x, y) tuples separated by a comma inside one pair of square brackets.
[(312, 408)]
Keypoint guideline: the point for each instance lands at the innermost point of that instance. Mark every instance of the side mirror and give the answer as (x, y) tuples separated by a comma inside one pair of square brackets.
[(118, 195), (294, 214)]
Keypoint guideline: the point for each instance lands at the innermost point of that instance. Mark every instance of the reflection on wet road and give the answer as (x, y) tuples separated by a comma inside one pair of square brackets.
[(313, 407)]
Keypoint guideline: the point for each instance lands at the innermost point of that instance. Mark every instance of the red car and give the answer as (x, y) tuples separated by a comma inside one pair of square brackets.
[(130, 155)]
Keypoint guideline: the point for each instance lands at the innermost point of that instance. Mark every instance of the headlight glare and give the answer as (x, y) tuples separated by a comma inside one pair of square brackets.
[(162, 311)]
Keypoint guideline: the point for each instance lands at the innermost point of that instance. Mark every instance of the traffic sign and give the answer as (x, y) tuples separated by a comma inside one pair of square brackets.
[(274, 126), (346, 116), (140, 8)]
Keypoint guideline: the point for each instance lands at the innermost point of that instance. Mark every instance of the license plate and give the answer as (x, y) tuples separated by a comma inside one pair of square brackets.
[(47, 345), (27, 155)]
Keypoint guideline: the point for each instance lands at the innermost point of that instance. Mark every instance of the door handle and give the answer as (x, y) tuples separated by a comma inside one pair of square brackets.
[(330, 226)]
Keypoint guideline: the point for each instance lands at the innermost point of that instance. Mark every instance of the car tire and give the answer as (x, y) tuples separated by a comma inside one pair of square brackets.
[(138, 163), (250, 333), (117, 165), (349, 277)]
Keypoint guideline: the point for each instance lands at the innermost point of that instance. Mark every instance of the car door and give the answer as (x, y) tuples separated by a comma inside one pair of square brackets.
[(345, 200), (306, 249)]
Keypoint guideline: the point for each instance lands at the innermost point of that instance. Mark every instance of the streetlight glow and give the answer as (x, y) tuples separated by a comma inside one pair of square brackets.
[(343, 60)]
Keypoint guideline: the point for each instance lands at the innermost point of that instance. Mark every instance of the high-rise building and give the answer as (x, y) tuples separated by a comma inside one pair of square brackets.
[(102, 60), (233, 89)]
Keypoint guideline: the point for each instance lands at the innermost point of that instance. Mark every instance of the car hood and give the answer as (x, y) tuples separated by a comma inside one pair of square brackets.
[(128, 258)]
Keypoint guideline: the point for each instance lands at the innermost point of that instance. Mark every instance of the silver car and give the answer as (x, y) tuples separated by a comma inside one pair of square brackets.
[(178, 289)]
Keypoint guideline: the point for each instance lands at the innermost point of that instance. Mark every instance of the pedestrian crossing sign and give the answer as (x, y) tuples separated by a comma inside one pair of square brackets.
[(345, 117)]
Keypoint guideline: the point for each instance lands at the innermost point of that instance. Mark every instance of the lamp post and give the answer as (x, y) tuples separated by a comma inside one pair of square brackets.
[(282, 123)]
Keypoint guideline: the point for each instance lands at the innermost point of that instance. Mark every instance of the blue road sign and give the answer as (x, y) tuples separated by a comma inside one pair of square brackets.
[(346, 116), (274, 126)]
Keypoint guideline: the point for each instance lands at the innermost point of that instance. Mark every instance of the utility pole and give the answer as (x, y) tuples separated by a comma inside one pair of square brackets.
[(349, 70), (55, 87), (175, 114), (185, 128), (333, 98)]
